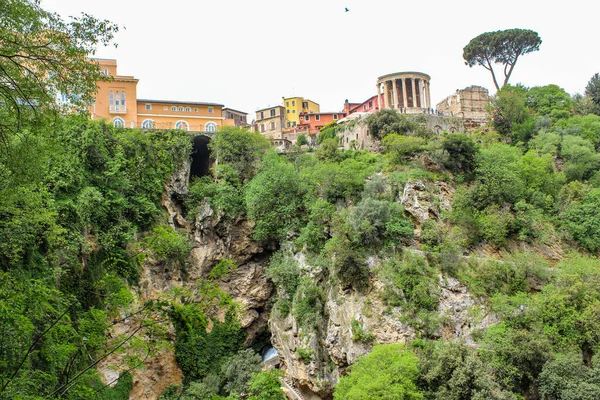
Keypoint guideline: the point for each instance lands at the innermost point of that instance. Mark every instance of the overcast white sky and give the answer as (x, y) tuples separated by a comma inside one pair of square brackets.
[(248, 54)]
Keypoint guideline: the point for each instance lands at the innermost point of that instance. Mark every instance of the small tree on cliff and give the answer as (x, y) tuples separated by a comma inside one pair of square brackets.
[(502, 47)]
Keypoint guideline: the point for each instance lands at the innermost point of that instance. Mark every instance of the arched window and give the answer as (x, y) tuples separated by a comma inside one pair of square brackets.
[(118, 122), (188, 109), (182, 125), (148, 124), (173, 108), (180, 109), (211, 127)]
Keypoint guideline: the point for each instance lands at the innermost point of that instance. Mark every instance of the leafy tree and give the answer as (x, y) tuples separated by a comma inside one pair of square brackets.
[(586, 126), (308, 304), (388, 372), (265, 386), (503, 47), (302, 140), (328, 131), (240, 149), (566, 378), (410, 283), (398, 148), (550, 100), (584, 105), (580, 158), (515, 355), (461, 153), (42, 56), (509, 110), (273, 198), (369, 219), (238, 371), (499, 179), (166, 243), (592, 90), (453, 371), (389, 121), (329, 151)]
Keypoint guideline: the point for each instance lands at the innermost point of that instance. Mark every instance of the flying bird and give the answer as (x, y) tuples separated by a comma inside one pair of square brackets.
[(347, 9)]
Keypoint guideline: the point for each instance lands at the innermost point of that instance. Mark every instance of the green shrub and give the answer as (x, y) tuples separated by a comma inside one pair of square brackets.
[(167, 244), (389, 121), (223, 267), (410, 283), (222, 196), (495, 224), (240, 149), (273, 199), (302, 140), (348, 262), (266, 386), (399, 148), (582, 221), (308, 305), (360, 334), (284, 271), (305, 354), (388, 372), (199, 352), (462, 153)]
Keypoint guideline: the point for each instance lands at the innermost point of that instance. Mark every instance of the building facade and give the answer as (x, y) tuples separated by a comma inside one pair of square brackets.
[(311, 123), (296, 105), (407, 92), (270, 122), (188, 116), (239, 118), (116, 98), (469, 103), (116, 101), (370, 105)]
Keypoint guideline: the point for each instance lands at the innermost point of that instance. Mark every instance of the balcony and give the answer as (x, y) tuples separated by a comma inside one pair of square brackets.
[(121, 109)]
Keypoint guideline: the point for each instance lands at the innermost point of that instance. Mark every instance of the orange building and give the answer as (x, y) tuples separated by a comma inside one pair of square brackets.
[(189, 116), (115, 98), (117, 102)]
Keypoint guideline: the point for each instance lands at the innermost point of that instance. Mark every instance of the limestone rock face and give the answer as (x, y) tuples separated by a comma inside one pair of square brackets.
[(425, 202), (456, 304), (334, 345), (212, 241)]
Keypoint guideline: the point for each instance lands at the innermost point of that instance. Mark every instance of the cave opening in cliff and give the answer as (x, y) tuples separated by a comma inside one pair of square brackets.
[(201, 160)]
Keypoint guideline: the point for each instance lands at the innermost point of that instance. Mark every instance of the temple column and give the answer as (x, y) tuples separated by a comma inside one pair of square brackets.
[(429, 96), (395, 92), (379, 99), (414, 93), (386, 89), (423, 94), (404, 94), (417, 85)]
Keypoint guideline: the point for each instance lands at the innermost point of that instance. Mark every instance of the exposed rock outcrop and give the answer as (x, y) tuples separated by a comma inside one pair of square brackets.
[(334, 345), (423, 203), (212, 241)]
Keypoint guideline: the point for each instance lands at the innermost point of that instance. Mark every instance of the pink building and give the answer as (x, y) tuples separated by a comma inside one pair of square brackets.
[(312, 123)]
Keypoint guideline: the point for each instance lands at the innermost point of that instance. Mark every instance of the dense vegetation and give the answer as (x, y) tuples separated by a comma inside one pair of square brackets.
[(80, 209)]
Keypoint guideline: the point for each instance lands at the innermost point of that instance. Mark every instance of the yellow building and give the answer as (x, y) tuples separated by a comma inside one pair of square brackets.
[(294, 106), (117, 102)]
